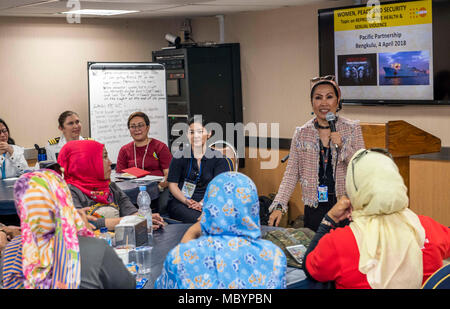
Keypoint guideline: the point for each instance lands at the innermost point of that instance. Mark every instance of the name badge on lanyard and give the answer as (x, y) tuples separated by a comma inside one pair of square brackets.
[(189, 185), (188, 189), (322, 190)]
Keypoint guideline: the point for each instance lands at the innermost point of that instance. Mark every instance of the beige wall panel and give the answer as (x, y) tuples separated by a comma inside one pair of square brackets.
[(430, 189)]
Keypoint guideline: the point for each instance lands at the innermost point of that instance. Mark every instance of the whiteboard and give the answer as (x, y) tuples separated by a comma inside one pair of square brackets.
[(116, 90)]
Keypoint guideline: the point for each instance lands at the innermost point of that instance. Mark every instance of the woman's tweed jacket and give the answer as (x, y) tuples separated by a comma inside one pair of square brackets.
[(303, 163)]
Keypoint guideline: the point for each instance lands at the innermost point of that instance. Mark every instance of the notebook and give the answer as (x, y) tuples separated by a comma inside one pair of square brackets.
[(133, 172)]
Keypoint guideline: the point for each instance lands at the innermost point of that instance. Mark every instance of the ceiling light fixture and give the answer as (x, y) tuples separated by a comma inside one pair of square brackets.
[(99, 12)]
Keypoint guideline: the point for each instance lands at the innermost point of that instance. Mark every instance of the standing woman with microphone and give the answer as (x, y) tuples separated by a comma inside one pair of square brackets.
[(319, 155)]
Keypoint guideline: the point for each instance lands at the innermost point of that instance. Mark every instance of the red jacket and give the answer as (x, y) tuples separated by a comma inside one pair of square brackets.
[(336, 256)]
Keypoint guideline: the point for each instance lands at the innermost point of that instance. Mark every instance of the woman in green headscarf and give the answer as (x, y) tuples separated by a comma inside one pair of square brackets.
[(386, 245)]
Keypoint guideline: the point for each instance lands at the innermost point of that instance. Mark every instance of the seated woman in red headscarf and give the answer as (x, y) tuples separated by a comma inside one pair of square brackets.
[(87, 170)]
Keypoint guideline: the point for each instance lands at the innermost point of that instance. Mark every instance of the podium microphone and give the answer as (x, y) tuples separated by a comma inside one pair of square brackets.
[(331, 118), (285, 159)]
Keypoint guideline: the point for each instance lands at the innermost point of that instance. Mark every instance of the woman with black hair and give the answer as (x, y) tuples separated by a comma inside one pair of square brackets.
[(12, 160), (319, 156), (191, 171), (146, 153)]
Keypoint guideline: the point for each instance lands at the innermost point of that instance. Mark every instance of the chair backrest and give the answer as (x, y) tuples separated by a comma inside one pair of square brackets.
[(439, 280), (228, 150)]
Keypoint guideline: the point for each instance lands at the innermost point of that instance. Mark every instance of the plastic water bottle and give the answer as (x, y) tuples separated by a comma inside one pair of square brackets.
[(144, 201), (105, 235)]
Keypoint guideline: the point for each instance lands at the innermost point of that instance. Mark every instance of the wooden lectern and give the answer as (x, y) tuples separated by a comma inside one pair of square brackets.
[(402, 140)]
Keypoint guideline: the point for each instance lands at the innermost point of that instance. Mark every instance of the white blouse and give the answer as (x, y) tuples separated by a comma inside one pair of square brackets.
[(13, 165)]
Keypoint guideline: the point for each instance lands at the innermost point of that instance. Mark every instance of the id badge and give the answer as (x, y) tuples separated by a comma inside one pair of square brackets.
[(188, 189), (322, 192)]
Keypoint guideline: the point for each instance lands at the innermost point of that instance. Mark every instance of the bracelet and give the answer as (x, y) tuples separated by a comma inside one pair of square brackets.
[(279, 207), (328, 222)]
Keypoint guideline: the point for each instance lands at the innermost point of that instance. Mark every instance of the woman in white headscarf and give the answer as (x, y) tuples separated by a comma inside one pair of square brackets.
[(386, 246)]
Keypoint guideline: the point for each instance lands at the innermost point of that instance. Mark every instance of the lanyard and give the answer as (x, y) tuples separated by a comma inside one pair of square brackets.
[(199, 173), (4, 167), (324, 154), (143, 159)]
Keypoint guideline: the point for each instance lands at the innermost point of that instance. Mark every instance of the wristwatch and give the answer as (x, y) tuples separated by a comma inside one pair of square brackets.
[(280, 208)]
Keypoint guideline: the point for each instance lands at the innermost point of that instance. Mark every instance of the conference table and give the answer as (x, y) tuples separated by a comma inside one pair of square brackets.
[(166, 238)]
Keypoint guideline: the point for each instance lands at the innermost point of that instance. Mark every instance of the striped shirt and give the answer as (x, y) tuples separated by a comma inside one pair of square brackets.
[(12, 264), (303, 164)]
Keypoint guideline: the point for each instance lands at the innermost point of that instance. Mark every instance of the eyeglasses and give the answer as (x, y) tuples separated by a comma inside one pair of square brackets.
[(362, 154), (138, 126), (4, 131), (327, 77)]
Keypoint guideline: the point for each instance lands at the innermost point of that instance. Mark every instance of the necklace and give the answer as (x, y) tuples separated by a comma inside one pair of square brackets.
[(318, 126), (145, 153)]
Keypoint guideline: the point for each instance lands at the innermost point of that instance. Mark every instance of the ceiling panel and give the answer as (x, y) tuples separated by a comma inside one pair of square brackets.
[(208, 10), (278, 3), (177, 2), (54, 8), (148, 8), (6, 4)]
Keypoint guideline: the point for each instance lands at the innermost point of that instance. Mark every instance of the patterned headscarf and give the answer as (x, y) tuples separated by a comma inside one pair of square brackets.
[(388, 234), (230, 253), (82, 161), (47, 254)]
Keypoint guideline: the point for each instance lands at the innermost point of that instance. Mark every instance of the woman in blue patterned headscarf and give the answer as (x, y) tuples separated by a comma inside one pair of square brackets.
[(230, 253)]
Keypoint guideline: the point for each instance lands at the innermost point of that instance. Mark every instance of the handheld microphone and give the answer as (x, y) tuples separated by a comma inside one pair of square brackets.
[(331, 118), (285, 158)]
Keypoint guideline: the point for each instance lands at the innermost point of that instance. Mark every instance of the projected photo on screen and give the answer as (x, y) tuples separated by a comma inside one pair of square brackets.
[(357, 70), (404, 68)]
